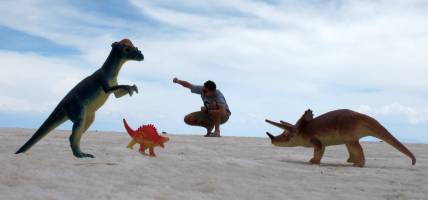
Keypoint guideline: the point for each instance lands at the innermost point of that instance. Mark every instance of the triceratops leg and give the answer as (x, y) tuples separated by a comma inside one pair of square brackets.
[(351, 158), (356, 151), (319, 149)]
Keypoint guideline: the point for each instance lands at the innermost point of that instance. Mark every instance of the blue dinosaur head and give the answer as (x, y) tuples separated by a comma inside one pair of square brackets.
[(127, 50)]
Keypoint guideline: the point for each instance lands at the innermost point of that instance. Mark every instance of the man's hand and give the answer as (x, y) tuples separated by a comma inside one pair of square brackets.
[(182, 83)]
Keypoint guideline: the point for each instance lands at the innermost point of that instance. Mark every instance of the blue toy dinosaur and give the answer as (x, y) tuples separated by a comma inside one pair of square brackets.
[(81, 103)]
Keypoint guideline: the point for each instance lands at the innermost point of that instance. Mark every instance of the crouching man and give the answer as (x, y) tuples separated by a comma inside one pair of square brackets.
[(215, 110)]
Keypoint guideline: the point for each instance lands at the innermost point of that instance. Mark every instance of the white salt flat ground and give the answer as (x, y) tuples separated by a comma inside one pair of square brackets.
[(194, 167)]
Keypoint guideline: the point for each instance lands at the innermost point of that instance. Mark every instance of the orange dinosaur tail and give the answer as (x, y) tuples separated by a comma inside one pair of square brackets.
[(383, 134), (128, 129)]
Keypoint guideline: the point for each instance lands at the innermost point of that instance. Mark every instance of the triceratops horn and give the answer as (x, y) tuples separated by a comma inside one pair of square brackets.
[(270, 135), (279, 125), (286, 123)]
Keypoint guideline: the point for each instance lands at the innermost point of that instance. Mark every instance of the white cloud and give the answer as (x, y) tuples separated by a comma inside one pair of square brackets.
[(31, 82), (269, 59), (413, 115), (352, 43)]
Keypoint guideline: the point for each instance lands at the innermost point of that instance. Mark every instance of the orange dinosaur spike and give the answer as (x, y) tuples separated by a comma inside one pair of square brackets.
[(151, 133)]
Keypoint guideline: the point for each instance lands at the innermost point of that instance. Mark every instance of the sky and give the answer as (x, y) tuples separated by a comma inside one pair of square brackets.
[(270, 58)]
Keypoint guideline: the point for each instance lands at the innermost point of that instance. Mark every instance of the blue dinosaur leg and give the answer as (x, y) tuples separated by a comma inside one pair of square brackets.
[(78, 130), (81, 122)]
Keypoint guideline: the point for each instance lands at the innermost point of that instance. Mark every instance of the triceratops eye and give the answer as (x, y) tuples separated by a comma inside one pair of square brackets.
[(126, 49)]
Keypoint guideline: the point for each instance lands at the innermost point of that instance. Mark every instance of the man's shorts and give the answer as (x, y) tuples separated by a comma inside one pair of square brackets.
[(203, 116)]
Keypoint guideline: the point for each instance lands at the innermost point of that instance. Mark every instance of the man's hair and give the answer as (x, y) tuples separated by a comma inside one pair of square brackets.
[(210, 85)]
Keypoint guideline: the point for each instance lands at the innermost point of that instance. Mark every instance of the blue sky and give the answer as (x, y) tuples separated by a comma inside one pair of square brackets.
[(271, 59)]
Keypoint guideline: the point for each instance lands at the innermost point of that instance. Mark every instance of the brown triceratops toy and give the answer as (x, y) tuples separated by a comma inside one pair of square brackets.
[(334, 128)]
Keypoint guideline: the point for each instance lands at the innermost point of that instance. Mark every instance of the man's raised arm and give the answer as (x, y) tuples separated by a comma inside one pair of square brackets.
[(182, 83)]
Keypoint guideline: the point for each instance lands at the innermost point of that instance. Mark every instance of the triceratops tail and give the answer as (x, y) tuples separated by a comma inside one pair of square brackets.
[(385, 135), (56, 118), (128, 129)]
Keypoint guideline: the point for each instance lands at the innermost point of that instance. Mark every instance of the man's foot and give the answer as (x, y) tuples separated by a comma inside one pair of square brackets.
[(215, 134), (209, 135), (209, 131)]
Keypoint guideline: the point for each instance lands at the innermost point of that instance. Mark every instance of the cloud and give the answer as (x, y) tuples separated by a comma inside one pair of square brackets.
[(413, 115), (270, 59), (354, 41), (34, 83)]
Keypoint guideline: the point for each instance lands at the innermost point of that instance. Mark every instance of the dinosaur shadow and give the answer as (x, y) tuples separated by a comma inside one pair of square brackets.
[(307, 163), (94, 164), (348, 165)]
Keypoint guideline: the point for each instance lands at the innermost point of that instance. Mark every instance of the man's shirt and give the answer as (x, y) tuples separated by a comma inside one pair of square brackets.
[(217, 97)]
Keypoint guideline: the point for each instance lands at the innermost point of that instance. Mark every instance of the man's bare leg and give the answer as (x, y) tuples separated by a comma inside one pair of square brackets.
[(209, 130), (217, 129), (216, 116), (191, 120)]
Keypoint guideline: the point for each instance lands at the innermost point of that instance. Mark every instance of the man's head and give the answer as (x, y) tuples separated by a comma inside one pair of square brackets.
[(209, 88)]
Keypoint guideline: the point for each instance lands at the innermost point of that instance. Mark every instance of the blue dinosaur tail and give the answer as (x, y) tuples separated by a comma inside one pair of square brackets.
[(56, 118)]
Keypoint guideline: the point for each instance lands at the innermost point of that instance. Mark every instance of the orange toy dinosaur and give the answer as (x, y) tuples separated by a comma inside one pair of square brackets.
[(333, 128), (147, 136)]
